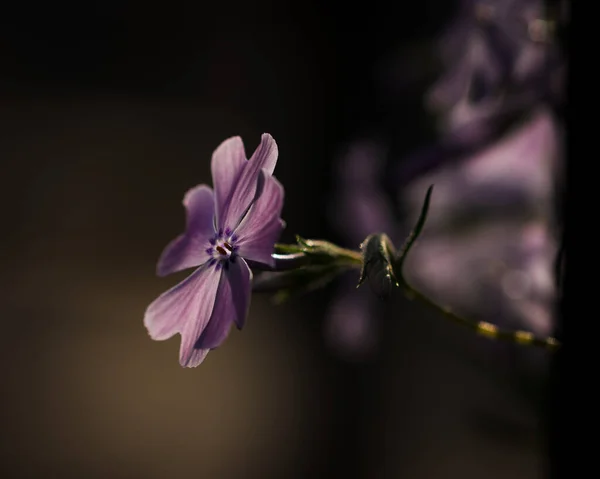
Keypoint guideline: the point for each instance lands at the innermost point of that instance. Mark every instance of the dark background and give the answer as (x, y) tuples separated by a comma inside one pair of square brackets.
[(109, 112)]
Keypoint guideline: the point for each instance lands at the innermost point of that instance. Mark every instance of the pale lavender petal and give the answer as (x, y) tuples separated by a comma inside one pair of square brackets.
[(189, 250), (231, 305), (262, 226), (196, 357), (185, 309), (187, 301), (232, 210), (227, 163)]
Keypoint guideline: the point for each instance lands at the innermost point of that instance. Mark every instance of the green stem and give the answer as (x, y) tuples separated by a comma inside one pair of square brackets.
[(482, 327), (316, 248)]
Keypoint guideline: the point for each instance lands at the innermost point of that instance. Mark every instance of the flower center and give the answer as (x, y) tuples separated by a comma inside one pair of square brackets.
[(222, 250)]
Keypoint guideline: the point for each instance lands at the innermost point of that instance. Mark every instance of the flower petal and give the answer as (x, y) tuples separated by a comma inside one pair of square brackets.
[(189, 249), (186, 309), (241, 183), (231, 305), (227, 163), (262, 226)]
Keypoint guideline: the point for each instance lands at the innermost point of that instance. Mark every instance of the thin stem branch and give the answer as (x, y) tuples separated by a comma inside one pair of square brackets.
[(481, 327)]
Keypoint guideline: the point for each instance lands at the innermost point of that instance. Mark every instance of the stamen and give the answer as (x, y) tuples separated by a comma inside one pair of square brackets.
[(228, 246), (221, 250)]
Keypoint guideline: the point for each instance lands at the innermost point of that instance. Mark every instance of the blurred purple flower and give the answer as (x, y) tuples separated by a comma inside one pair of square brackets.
[(240, 220), (488, 245), (516, 171), (358, 209), (502, 60)]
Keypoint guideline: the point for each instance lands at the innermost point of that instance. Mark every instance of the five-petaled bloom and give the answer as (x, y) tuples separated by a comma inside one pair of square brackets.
[(240, 220)]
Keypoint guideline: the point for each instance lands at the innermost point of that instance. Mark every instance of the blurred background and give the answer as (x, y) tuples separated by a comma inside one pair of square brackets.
[(110, 112)]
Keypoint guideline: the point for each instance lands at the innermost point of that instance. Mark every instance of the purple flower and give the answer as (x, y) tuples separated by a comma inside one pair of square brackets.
[(502, 59), (489, 244), (239, 221)]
